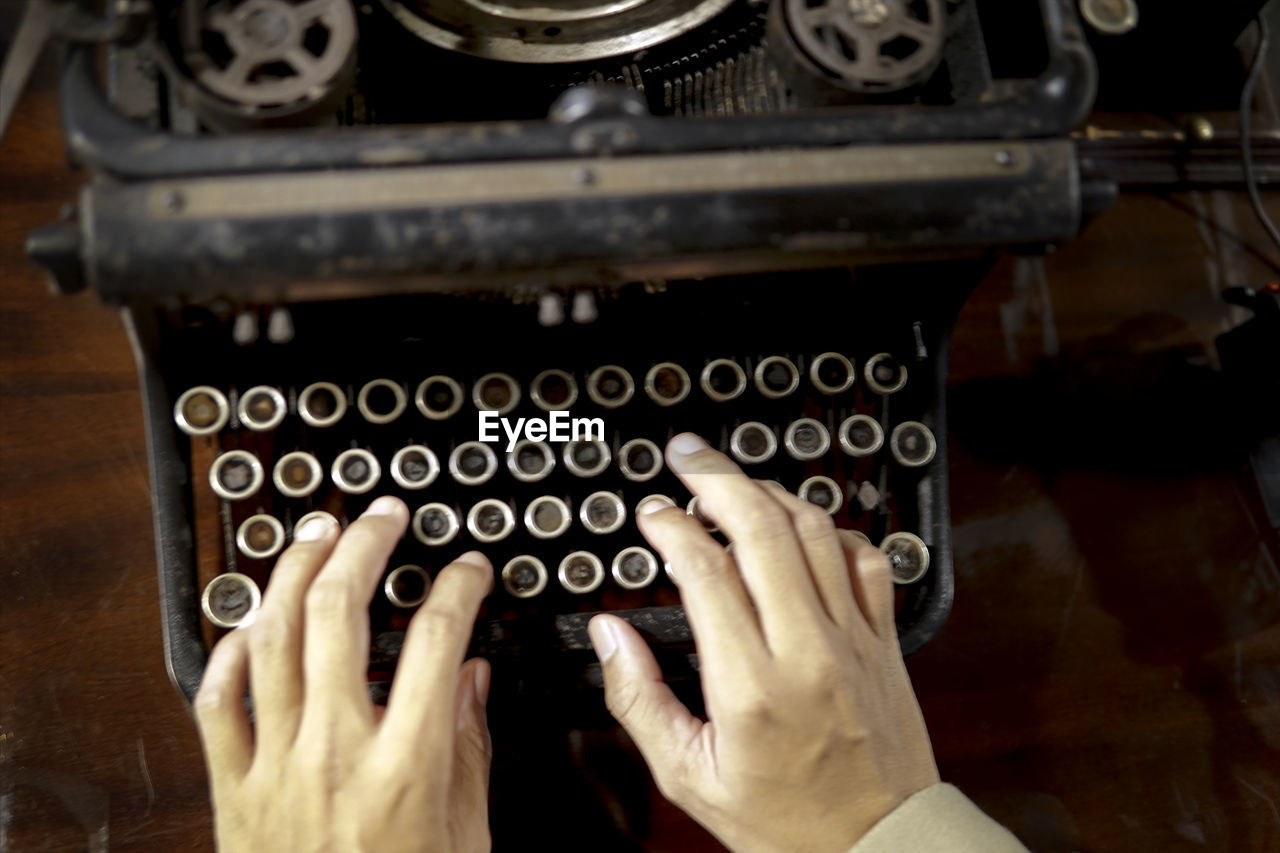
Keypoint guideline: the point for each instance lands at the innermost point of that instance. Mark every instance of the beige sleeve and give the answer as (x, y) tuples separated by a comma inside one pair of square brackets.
[(938, 819)]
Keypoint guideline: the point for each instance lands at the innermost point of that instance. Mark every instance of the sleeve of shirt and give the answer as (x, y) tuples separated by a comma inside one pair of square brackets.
[(938, 819)]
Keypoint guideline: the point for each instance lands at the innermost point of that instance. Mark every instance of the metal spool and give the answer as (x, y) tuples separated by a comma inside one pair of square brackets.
[(867, 46), (266, 61)]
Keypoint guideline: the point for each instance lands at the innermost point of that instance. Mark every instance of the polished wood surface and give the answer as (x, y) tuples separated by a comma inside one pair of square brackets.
[(1109, 678)]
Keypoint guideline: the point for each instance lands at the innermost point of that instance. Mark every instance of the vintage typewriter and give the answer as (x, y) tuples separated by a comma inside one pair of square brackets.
[(339, 230)]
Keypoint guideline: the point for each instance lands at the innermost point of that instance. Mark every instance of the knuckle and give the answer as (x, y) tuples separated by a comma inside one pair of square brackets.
[(328, 600), (272, 633), (704, 561), (671, 784), (441, 623), (760, 513), (813, 523), (622, 700)]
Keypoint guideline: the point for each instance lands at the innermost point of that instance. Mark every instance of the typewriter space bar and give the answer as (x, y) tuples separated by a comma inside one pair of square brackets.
[(664, 625)]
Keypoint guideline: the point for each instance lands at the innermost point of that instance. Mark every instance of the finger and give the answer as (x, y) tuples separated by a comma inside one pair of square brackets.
[(667, 735), (725, 627), (872, 582), (420, 716), (474, 749), (825, 556), (275, 638), (765, 545), (221, 718), (336, 642)]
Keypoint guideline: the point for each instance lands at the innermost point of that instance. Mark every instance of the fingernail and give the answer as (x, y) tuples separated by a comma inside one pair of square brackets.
[(482, 684), (314, 529), (649, 507), (385, 505), (686, 443), (603, 638)]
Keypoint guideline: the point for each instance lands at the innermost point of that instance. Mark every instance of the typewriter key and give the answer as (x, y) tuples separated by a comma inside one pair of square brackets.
[(553, 390), (202, 410), (831, 373), (860, 435), (229, 598), (490, 520), (531, 461), (662, 499), (776, 377), (610, 386), (586, 458), (414, 467), (635, 567), (602, 512), (860, 536), (640, 460), (322, 404), (438, 397), (581, 572), (908, 556), (262, 408), (524, 576), (667, 383), (884, 374), (317, 513), (381, 401), (435, 524), (407, 585), (297, 474), (823, 492), (723, 380), (694, 509), (260, 537), (752, 443), (236, 475), (547, 517), (495, 392), (912, 444), (355, 471), (472, 463), (806, 439)]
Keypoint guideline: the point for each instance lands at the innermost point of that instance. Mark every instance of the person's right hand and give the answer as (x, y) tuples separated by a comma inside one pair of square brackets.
[(814, 733)]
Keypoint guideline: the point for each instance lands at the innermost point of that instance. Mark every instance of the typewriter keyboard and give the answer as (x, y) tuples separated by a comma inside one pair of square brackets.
[(409, 396)]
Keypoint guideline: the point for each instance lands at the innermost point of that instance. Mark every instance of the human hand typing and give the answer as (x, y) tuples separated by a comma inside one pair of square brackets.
[(813, 731), (320, 768)]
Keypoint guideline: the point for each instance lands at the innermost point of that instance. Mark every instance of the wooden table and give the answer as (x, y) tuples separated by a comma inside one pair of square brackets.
[(1108, 680)]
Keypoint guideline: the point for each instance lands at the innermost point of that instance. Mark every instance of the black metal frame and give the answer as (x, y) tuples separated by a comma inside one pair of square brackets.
[(140, 255)]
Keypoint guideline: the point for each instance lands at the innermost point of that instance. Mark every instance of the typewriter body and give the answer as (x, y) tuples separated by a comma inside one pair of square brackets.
[(340, 231)]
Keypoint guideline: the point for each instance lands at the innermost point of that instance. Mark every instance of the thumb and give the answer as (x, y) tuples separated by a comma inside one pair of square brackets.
[(473, 749), (642, 703)]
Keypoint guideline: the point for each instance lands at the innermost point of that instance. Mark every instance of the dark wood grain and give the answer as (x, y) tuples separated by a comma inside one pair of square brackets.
[(1109, 678)]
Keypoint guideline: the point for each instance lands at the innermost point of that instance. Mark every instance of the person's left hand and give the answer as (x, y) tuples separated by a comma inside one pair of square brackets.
[(321, 768)]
